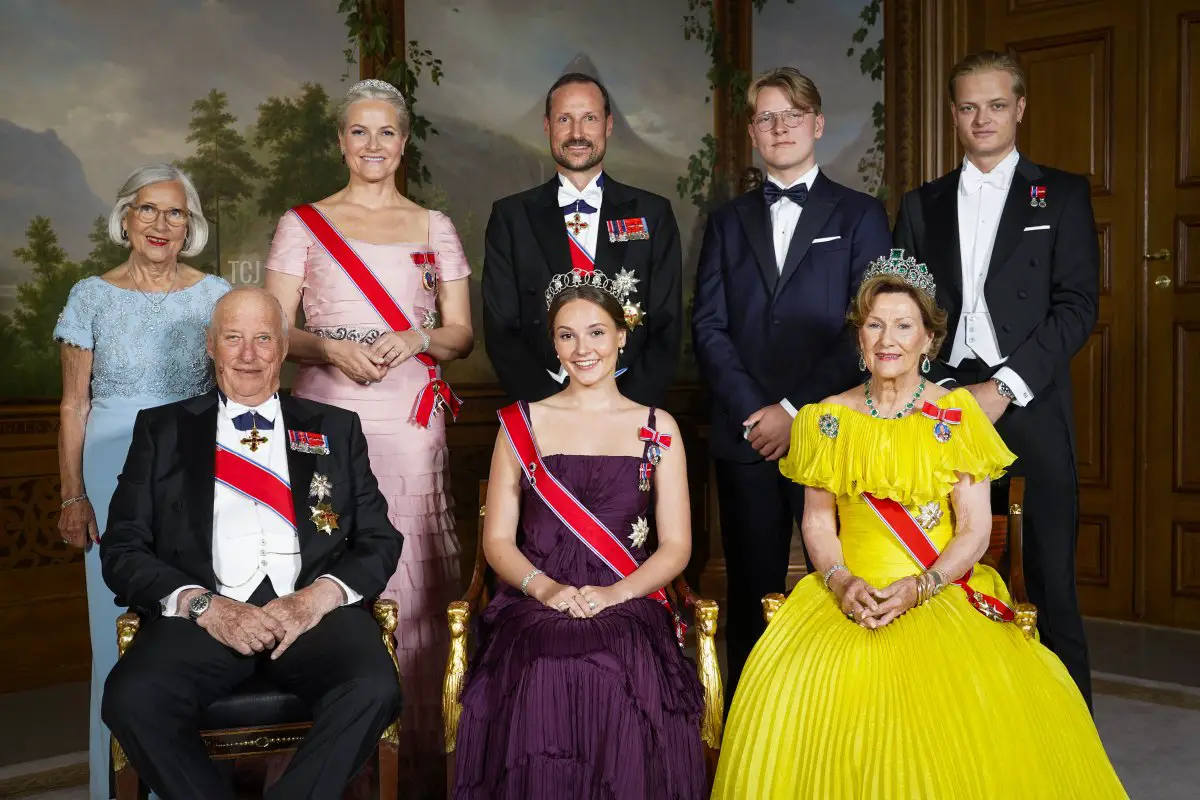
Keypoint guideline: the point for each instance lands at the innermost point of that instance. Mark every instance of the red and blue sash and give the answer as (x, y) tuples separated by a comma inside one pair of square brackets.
[(914, 539), (605, 544), (437, 391), (256, 482), (580, 260)]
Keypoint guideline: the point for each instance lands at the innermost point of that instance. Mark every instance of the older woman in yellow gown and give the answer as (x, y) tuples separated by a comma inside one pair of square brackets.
[(891, 672)]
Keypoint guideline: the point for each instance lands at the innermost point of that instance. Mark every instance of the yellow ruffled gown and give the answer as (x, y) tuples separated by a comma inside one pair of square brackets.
[(941, 703)]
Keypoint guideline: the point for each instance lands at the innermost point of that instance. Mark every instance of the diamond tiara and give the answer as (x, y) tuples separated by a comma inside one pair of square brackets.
[(907, 269), (375, 83), (620, 287)]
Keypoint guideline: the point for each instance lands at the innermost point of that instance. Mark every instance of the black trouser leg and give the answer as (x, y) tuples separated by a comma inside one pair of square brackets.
[(757, 507), (153, 699), (1051, 523), (342, 669)]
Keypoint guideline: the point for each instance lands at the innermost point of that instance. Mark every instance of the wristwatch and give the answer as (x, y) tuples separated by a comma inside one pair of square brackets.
[(198, 605), (1003, 389)]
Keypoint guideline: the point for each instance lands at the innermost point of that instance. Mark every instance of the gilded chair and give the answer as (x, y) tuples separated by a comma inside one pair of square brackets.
[(459, 614), (257, 719), (1003, 554)]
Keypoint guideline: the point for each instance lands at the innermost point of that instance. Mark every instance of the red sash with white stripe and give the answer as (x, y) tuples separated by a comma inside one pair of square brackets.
[(437, 392), (256, 482), (580, 259), (914, 539), (595, 536)]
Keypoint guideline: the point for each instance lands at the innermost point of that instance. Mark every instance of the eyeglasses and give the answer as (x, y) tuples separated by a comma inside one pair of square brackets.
[(791, 117), (148, 214)]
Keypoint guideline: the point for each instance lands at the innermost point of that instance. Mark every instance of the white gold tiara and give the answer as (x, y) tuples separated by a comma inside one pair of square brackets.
[(907, 269), (375, 83), (620, 288)]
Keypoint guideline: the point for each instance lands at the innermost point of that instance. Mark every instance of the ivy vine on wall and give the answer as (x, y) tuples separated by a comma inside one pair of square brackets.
[(369, 28)]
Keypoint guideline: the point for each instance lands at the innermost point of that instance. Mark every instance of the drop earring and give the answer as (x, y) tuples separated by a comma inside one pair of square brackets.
[(862, 363), (925, 365), (124, 235)]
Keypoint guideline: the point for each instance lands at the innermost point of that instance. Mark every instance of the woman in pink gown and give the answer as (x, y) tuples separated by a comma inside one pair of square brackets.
[(350, 357)]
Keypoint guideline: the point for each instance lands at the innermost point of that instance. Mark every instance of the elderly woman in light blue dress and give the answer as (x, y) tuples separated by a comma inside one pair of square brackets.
[(131, 338)]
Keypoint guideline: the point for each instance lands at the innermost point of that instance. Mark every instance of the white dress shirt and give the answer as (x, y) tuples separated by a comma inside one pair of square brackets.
[(981, 199), (593, 195), (251, 541), (784, 216)]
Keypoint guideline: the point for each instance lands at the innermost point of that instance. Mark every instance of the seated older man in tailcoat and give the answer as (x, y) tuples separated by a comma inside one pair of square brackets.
[(247, 528)]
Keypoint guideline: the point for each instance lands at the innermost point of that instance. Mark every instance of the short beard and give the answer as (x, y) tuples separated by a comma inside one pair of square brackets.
[(560, 157)]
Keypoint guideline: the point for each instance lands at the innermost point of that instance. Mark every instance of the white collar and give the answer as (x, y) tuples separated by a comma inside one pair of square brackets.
[(1002, 172), (807, 179), (229, 409)]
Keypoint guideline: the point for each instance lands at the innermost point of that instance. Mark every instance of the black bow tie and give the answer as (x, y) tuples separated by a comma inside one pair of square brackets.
[(798, 194)]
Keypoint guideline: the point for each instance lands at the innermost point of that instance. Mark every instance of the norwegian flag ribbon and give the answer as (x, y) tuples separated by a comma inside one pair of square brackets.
[(663, 440), (256, 482), (918, 545), (437, 391), (573, 514), (952, 416)]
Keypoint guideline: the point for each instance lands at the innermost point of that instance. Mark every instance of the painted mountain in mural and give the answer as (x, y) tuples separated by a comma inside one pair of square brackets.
[(625, 144), (41, 176)]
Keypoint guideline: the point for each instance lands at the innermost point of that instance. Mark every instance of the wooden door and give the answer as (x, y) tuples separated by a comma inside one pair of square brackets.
[(1170, 427), (1081, 65)]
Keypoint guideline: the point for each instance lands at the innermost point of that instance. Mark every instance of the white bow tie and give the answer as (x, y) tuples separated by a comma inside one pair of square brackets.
[(972, 179), (593, 195)]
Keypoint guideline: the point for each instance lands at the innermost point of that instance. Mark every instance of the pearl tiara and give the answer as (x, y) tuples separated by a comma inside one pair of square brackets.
[(907, 269), (619, 287), (375, 83)]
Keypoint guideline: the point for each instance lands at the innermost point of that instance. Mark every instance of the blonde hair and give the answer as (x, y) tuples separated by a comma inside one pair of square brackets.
[(933, 316), (797, 86), (987, 61)]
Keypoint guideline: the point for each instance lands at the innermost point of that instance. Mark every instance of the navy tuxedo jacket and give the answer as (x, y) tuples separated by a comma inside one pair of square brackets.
[(763, 334)]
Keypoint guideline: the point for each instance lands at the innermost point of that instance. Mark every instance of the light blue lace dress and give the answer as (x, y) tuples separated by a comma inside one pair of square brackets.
[(147, 350)]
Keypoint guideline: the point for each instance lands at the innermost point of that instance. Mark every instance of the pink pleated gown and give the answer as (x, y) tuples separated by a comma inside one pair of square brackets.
[(410, 462)]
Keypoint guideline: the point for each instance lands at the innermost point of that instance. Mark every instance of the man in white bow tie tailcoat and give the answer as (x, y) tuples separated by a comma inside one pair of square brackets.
[(777, 270), (247, 530), (581, 219), (1012, 246)]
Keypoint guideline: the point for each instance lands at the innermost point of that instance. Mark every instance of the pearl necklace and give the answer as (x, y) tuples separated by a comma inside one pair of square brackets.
[(907, 406)]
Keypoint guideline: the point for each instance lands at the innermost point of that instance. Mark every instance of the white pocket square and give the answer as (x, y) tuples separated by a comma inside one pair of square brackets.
[(825, 239), (1038, 228)]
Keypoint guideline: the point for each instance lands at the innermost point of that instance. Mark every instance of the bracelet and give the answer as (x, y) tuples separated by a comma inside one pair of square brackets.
[(829, 573), (528, 578), (70, 501), (425, 340)]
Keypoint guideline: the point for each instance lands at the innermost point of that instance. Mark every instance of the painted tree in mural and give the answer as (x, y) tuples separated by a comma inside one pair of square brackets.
[(306, 163), (26, 342), (221, 167)]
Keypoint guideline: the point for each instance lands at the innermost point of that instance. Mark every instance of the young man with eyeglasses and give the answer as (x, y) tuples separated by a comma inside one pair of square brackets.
[(778, 267), (581, 219)]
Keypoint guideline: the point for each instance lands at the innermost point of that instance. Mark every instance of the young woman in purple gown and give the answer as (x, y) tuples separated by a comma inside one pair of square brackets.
[(579, 688)]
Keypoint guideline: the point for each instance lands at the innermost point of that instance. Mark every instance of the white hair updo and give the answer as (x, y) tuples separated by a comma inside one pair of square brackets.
[(140, 178), (375, 89)]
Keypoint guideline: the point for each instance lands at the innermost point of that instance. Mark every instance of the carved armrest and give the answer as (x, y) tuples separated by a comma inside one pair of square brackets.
[(708, 669), (128, 625), (387, 614), (771, 604)]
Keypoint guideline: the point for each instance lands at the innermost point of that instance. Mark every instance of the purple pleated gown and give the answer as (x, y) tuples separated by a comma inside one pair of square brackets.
[(557, 707)]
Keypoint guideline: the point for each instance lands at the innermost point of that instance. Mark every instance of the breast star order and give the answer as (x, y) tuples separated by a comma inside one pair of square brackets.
[(321, 487), (324, 518), (641, 529), (930, 515)]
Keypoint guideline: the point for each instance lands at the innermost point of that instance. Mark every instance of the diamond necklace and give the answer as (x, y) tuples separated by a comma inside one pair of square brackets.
[(155, 307), (907, 406)]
